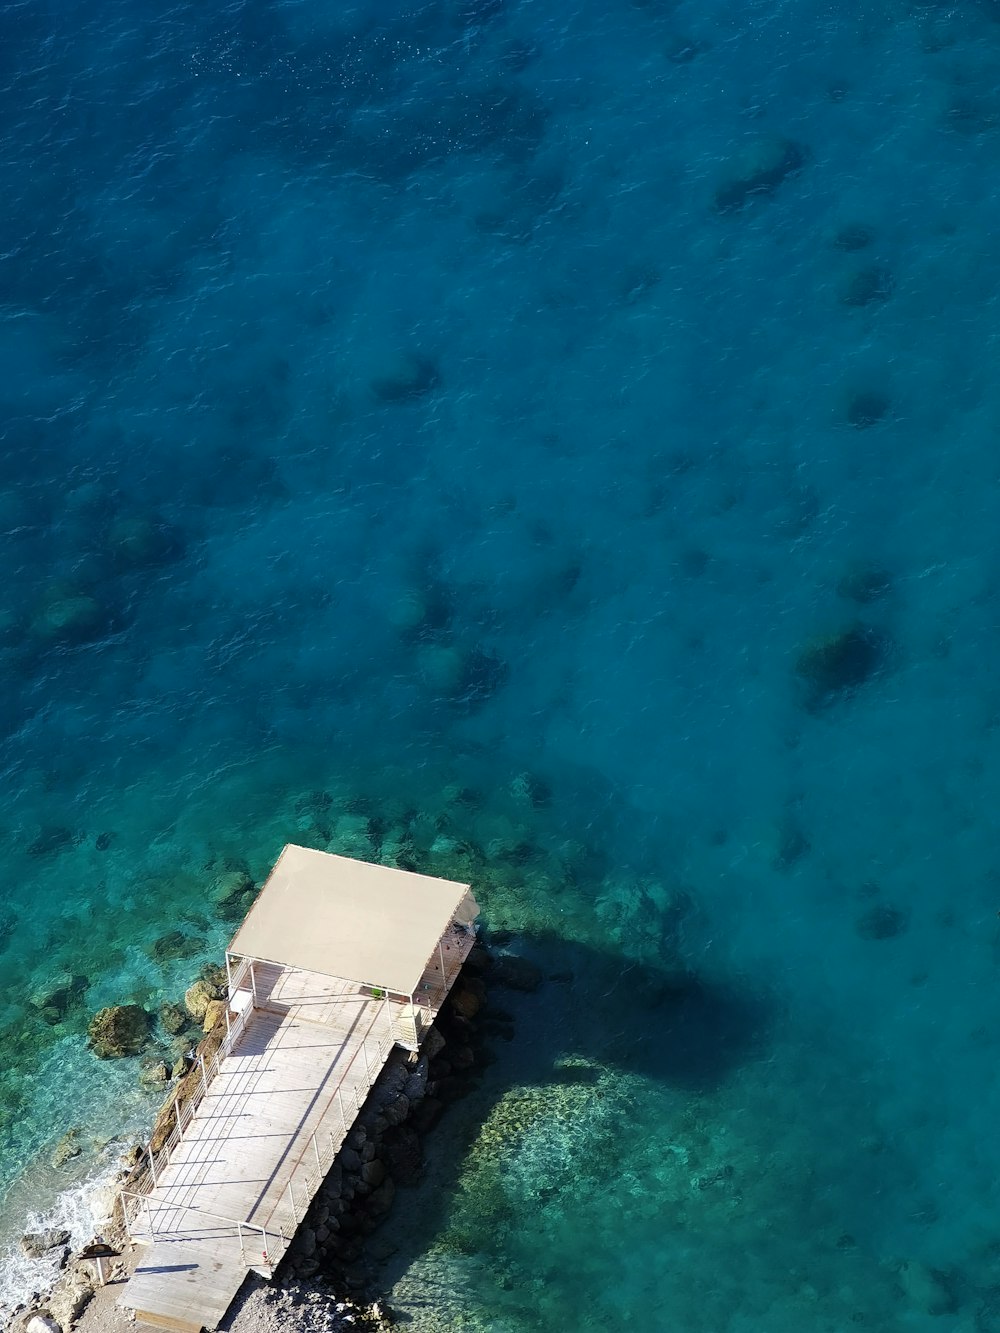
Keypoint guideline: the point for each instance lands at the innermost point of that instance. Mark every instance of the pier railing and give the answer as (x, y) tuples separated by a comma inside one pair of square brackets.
[(195, 1084), (318, 1152), (272, 1243)]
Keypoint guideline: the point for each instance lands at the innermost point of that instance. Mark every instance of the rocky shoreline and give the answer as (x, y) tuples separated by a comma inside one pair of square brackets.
[(327, 1281)]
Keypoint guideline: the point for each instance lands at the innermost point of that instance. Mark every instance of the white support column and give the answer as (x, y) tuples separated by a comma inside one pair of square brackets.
[(229, 974), (253, 985), (152, 1166), (441, 960), (204, 1079)]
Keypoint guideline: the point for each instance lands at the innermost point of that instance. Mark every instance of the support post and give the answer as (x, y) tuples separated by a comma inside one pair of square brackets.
[(152, 1165), (319, 1164), (253, 984), (204, 1080), (291, 1196), (368, 1072), (229, 976), (340, 1103), (441, 961)]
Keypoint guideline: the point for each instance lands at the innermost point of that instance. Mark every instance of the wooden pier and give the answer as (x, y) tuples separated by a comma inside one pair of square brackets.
[(336, 963)]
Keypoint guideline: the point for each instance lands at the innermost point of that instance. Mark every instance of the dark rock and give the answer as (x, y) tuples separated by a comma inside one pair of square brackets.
[(350, 1160), (403, 1154), (119, 1030), (465, 1001), (381, 1198), (478, 962), (434, 1043), (103, 841), (373, 1172)]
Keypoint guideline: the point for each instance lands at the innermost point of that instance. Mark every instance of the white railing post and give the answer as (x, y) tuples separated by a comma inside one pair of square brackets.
[(319, 1164), (253, 984), (204, 1078), (152, 1165), (368, 1072), (291, 1196), (343, 1118)]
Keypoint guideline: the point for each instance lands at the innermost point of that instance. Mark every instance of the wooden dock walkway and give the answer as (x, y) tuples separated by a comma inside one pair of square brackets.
[(228, 1190)]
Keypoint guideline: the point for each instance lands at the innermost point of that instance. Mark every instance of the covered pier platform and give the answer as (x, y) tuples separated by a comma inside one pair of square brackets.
[(337, 962)]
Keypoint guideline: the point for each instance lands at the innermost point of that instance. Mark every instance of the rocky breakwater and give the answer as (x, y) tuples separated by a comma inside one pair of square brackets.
[(384, 1149)]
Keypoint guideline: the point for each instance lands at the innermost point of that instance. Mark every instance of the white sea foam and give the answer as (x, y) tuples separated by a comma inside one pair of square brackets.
[(83, 1210)]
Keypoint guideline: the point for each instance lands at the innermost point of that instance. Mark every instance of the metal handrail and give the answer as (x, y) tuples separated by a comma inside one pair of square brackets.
[(278, 1236), (337, 1092)]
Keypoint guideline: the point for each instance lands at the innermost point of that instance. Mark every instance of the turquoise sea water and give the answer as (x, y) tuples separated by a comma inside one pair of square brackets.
[(568, 438)]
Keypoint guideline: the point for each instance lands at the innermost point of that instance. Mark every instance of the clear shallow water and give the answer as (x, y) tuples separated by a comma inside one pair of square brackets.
[(389, 410)]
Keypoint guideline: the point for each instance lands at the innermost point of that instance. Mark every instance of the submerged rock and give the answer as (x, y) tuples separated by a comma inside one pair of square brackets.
[(173, 1019), (119, 1030), (54, 1001), (135, 543), (411, 377), (515, 973), (926, 1289), (67, 1148), (882, 923), (174, 944), (232, 894), (758, 168), (838, 664), (69, 617)]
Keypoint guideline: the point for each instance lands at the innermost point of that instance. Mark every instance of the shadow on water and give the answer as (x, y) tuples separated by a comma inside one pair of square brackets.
[(595, 1017)]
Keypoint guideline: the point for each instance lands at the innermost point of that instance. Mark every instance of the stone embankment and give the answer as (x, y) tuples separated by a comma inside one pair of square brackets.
[(325, 1280)]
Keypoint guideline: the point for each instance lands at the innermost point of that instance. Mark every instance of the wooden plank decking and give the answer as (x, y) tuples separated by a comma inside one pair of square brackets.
[(265, 1134)]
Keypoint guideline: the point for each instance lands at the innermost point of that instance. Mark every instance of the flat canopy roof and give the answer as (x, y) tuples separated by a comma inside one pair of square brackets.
[(344, 918)]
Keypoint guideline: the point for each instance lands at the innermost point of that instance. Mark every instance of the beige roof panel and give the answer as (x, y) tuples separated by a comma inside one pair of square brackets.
[(345, 918)]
